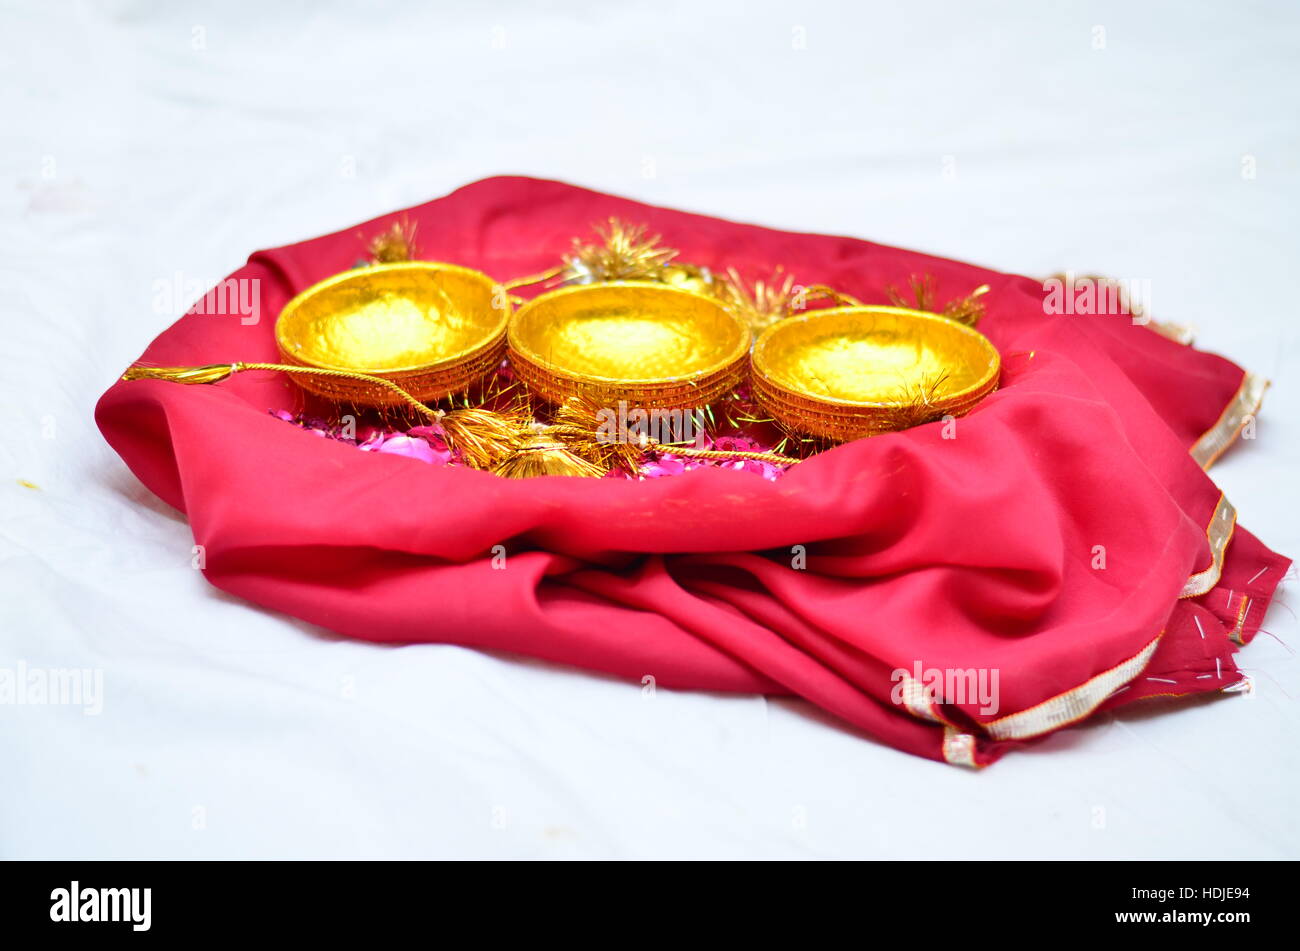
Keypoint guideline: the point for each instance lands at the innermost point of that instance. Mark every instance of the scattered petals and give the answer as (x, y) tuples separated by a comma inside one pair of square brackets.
[(413, 447)]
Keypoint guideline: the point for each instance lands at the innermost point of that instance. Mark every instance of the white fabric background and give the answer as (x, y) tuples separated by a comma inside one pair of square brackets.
[(145, 141)]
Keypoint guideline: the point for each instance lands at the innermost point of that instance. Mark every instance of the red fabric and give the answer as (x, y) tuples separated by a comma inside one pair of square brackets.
[(971, 552)]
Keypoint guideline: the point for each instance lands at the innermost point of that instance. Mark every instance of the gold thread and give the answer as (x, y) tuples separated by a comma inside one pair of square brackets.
[(823, 292), (535, 278), (656, 446), (774, 457), (346, 375)]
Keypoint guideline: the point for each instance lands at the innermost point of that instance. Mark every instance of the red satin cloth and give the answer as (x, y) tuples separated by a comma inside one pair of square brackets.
[(976, 552)]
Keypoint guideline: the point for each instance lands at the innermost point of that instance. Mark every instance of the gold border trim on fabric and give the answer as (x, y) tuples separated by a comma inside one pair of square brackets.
[(959, 748), (1066, 708), (1074, 705), (1215, 441), (918, 700), (1178, 333), (1238, 635), (1218, 533)]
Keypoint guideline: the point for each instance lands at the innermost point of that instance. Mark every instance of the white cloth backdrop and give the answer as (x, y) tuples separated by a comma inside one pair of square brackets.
[(151, 145)]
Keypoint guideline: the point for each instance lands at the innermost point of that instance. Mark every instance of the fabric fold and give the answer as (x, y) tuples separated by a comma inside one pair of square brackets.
[(1047, 538)]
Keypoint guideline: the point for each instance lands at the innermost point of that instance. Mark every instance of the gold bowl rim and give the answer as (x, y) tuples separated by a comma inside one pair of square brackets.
[(494, 335), (758, 358), (734, 356)]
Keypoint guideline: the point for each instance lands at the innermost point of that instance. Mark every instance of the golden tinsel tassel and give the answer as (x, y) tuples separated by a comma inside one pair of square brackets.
[(623, 254), (581, 423), (543, 453), (395, 244), (482, 438), (213, 373)]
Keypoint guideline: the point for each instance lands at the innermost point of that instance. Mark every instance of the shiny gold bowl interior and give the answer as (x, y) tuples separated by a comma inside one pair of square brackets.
[(845, 372), (628, 339), (864, 356), (420, 322)]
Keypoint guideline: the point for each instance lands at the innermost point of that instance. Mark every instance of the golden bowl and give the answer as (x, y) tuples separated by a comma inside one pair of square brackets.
[(847, 372), (432, 328), (642, 342)]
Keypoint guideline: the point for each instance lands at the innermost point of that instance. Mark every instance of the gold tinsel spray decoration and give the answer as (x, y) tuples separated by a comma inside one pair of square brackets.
[(624, 253), (768, 302), (761, 304), (394, 245), (968, 310)]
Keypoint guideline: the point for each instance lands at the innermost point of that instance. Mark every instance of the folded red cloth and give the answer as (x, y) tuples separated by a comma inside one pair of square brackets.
[(1064, 551)]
